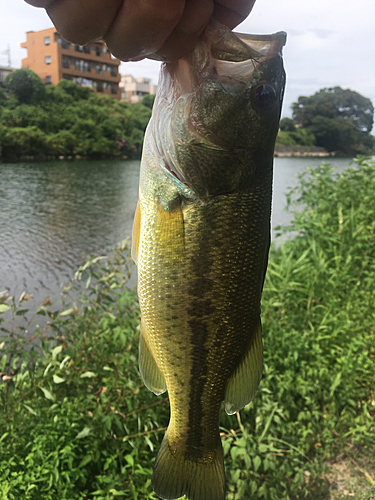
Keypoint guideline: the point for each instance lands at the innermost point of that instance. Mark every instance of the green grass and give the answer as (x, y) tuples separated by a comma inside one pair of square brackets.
[(76, 421)]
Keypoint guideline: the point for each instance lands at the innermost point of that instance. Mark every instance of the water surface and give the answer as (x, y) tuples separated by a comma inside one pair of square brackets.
[(55, 214)]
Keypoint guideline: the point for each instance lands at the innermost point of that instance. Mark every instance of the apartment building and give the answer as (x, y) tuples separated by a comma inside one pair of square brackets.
[(54, 59), (133, 89)]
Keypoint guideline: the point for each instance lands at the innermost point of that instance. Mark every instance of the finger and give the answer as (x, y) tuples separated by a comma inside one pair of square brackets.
[(39, 3), (184, 37), (232, 12), (142, 27), (82, 21)]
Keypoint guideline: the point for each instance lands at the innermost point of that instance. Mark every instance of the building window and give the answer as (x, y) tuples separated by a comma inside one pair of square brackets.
[(96, 50), (65, 63), (99, 69), (47, 40), (82, 65), (48, 79), (98, 86), (65, 44), (113, 71), (83, 48), (48, 59)]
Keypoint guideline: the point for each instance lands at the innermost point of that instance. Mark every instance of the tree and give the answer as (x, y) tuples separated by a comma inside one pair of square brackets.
[(287, 125), (335, 103), (148, 100), (26, 85), (340, 119)]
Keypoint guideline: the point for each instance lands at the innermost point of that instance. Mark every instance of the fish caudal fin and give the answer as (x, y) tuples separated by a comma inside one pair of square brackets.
[(152, 377), (244, 382), (175, 475)]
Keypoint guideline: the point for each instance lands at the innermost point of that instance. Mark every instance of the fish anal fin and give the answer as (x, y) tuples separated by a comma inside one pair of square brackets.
[(136, 232), (152, 377), (176, 475), (244, 382)]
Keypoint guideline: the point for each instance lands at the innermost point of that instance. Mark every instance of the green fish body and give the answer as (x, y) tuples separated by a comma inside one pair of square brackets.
[(201, 238)]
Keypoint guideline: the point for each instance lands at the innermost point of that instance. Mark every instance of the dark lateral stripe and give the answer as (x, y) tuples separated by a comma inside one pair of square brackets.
[(199, 312)]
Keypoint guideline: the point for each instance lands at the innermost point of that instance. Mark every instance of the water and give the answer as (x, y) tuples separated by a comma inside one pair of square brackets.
[(54, 214)]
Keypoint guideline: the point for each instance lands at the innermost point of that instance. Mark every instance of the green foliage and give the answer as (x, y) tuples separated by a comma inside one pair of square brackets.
[(148, 100), (295, 137), (76, 421), (26, 86), (3, 98), (340, 134), (72, 120), (287, 124), (335, 102), (340, 119)]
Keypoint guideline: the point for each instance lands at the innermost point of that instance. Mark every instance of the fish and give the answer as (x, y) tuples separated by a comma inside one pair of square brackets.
[(201, 237)]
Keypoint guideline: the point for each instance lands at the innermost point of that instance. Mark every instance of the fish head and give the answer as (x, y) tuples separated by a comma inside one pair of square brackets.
[(217, 113)]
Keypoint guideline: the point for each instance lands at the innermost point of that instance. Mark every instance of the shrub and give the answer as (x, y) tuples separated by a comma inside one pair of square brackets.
[(77, 423)]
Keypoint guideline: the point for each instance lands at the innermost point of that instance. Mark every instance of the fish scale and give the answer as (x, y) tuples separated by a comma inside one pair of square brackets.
[(201, 238)]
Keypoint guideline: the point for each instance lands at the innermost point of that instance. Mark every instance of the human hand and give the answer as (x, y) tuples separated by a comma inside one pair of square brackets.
[(134, 29)]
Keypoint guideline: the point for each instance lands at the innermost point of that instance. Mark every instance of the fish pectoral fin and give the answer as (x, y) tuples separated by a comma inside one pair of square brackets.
[(152, 377), (136, 232), (244, 382)]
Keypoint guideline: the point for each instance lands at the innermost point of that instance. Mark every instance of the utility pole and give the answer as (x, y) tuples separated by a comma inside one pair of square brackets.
[(8, 53)]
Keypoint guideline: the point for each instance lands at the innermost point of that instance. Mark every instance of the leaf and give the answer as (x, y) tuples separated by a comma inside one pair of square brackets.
[(4, 436), (148, 441), (4, 308), (63, 362), (88, 375), (56, 350), (85, 460), (21, 312), (257, 462), (335, 384), (84, 432), (30, 409), (57, 379), (67, 311), (46, 393)]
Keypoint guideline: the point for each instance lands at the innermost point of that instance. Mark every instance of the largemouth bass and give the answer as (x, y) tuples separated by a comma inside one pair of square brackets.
[(201, 238)]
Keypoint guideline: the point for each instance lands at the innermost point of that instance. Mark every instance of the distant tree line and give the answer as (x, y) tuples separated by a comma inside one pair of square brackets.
[(333, 118), (67, 120)]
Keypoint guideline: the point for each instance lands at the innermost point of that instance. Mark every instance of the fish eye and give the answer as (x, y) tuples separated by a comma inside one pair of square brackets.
[(264, 95)]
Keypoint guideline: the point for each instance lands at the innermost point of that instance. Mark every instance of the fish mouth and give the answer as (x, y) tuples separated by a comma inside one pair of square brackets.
[(227, 60), (231, 57)]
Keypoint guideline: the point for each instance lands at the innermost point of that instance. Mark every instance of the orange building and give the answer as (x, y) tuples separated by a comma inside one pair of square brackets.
[(54, 59)]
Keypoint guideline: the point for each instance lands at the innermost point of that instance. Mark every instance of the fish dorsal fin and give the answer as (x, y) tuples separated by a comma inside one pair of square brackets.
[(152, 377), (244, 382), (136, 232)]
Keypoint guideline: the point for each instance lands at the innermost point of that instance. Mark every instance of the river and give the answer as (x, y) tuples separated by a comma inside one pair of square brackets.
[(54, 214)]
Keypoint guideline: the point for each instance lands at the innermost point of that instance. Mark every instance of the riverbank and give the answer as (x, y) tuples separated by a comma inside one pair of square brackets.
[(280, 152), (302, 152), (78, 423)]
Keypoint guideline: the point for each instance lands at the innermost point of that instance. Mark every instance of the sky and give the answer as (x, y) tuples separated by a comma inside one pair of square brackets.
[(330, 42)]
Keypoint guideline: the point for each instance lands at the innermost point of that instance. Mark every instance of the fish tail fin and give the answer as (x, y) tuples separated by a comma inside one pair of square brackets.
[(176, 475)]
